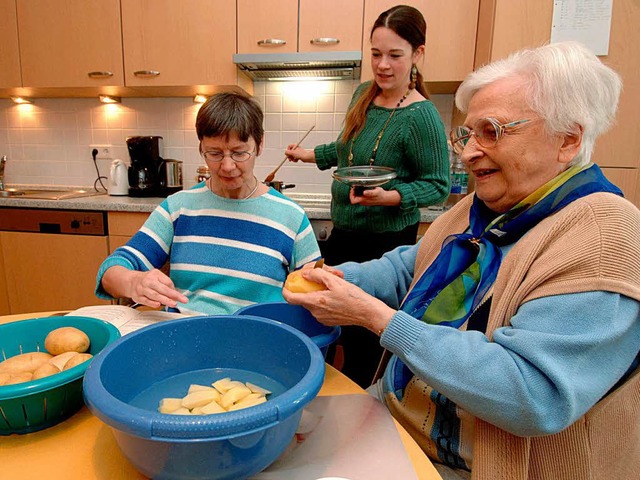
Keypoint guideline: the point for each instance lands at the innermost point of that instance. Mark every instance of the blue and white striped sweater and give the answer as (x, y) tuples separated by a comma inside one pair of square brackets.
[(224, 254)]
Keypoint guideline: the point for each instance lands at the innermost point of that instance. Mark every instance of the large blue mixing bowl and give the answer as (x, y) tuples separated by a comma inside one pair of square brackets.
[(125, 382)]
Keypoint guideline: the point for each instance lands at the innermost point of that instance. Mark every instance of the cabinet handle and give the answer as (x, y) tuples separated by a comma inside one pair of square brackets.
[(324, 41), (272, 42), (100, 74), (146, 73)]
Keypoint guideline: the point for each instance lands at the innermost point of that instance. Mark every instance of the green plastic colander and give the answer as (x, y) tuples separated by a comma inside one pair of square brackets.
[(32, 406)]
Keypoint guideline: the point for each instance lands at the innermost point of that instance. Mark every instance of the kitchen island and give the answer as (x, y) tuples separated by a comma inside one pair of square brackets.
[(83, 448)]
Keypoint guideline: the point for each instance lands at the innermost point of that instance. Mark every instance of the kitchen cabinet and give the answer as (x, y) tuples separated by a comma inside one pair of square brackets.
[(9, 53), (45, 272), (70, 43), (169, 43), (451, 39), (286, 26), (505, 26), (4, 295), (121, 47), (122, 226)]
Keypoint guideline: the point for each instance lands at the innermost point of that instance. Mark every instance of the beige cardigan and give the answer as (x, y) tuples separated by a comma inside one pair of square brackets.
[(591, 244)]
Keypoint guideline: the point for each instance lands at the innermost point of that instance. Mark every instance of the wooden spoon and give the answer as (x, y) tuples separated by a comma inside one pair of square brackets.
[(272, 175)]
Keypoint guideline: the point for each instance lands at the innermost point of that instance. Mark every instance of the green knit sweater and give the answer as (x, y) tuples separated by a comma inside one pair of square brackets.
[(414, 144)]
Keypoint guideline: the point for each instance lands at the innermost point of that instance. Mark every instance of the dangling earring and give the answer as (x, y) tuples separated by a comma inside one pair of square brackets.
[(414, 77)]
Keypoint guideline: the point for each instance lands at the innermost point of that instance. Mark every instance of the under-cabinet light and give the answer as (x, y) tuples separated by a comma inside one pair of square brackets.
[(21, 100), (109, 99), (199, 98)]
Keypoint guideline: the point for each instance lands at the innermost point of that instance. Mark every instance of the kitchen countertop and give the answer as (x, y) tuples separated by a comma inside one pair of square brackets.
[(317, 206)]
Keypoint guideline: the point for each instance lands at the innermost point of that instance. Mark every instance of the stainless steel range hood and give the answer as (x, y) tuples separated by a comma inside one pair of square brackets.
[(263, 67)]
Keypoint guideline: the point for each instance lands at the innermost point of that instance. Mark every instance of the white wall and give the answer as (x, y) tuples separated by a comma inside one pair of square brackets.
[(48, 142)]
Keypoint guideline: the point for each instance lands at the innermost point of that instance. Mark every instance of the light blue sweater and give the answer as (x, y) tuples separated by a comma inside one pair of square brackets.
[(224, 254), (536, 377)]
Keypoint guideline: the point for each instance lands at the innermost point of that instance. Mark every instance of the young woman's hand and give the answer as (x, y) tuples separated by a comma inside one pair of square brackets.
[(294, 153), (376, 196)]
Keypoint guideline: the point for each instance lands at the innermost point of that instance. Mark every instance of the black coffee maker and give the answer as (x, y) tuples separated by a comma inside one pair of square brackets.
[(147, 172)]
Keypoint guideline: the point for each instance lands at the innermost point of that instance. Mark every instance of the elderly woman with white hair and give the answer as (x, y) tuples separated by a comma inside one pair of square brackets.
[(515, 322)]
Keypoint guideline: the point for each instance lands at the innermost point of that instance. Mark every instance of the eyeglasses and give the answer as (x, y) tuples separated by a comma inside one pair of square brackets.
[(487, 132), (218, 156)]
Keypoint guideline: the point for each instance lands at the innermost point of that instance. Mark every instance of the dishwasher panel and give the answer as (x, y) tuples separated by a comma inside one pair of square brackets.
[(75, 222)]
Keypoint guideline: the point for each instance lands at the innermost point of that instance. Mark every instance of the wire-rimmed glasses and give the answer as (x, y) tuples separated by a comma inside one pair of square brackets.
[(217, 156), (487, 132)]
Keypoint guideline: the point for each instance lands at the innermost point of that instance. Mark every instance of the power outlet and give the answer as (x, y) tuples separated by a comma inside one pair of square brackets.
[(104, 152)]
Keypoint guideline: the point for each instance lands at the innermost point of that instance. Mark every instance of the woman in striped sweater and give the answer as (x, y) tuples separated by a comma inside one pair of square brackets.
[(230, 241)]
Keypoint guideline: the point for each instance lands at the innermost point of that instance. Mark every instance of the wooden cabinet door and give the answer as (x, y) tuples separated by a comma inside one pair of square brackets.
[(123, 226), (323, 22), (268, 26), (9, 49), (51, 272), (451, 37), (70, 43), (179, 43), (4, 295)]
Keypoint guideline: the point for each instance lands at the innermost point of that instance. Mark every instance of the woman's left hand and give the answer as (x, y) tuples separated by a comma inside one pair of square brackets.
[(342, 303), (375, 197)]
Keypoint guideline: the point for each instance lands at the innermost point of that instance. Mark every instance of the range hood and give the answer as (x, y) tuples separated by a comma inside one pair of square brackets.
[(263, 67)]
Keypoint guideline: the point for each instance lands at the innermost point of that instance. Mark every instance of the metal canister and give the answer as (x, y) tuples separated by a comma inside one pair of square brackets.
[(202, 173)]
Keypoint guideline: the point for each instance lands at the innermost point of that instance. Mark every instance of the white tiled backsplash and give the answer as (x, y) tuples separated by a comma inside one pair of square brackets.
[(49, 141)]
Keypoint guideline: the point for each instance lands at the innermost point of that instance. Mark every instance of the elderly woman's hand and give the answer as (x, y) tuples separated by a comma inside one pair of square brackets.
[(342, 303)]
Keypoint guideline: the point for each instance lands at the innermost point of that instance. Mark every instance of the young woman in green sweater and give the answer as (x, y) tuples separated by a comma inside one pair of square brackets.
[(392, 123)]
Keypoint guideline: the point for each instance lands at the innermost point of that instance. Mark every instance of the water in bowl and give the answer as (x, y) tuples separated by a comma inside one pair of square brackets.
[(177, 385)]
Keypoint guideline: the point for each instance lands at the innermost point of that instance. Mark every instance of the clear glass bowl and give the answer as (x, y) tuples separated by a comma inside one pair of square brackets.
[(364, 175)]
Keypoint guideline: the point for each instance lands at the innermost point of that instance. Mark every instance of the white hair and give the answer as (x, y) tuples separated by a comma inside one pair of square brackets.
[(565, 83)]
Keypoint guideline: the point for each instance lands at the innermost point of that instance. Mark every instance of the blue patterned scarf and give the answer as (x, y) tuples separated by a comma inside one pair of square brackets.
[(466, 267)]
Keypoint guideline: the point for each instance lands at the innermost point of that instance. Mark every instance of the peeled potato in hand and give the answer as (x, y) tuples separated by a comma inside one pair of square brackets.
[(66, 339), (297, 284)]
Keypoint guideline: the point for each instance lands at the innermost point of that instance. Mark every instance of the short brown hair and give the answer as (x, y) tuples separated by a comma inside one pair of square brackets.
[(230, 113)]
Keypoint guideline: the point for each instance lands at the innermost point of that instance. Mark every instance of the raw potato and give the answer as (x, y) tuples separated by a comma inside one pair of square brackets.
[(25, 362), (45, 370), (170, 405), (225, 396), (297, 284), (77, 360), (61, 360), (200, 398), (19, 378), (66, 339), (4, 378)]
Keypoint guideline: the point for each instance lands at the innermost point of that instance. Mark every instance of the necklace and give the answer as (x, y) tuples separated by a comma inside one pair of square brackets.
[(208, 182), (379, 137), (252, 191)]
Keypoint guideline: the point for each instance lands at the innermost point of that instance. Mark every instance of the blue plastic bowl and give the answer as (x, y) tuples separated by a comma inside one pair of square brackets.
[(297, 317), (125, 382)]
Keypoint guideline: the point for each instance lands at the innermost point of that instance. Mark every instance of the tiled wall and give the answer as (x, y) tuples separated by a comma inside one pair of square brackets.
[(49, 141)]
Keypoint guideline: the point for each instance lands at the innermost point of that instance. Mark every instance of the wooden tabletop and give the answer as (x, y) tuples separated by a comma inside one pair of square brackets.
[(84, 448)]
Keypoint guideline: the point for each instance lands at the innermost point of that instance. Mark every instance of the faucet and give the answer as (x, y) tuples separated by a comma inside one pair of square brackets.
[(3, 160)]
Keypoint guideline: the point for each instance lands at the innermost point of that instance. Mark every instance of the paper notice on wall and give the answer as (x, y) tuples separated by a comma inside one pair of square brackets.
[(586, 21)]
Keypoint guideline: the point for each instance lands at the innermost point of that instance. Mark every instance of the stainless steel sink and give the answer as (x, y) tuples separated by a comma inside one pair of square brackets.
[(47, 194)]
